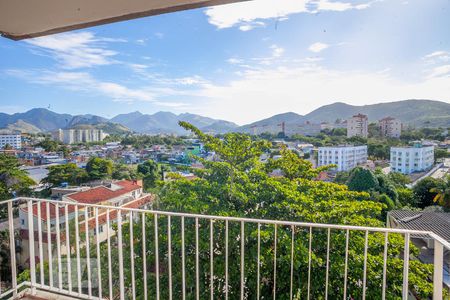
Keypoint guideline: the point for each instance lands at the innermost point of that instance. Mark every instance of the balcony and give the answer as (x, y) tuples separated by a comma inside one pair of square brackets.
[(191, 256)]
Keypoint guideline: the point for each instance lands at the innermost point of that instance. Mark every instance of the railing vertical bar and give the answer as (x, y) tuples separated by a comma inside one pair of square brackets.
[(156, 256), (133, 284), (258, 263), (197, 271), (183, 263), (309, 263), (77, 249), (49, 245), (68, 254), (386, 241), (119, 241), (41, 250), (347, 235), (226, 260), (275, 240), (12, 249), (99, 269), (144, 257), (327, 275), (438, 270), (366, 241), (169, 254), (58, 246), (108, 239), (242, 259), (88, 254), (31, 240), (292, 262), (405, 288), (211, 258)]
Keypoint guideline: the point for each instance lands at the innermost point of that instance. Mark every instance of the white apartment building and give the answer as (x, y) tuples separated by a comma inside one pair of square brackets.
[(416, 158), (13, 140), (390, 127), (73, 136), (344, 157), (358, 125)]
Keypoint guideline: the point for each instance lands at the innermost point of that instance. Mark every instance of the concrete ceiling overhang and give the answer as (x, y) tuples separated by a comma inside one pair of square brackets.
[(22, 19)]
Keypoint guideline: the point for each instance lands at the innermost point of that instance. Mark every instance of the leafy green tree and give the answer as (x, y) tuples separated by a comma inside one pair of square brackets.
[(69, 173), (123, 171), (423, 191), (406, 197), (239, 185), (49, 145), (442, 191), (362, 179), (13, 180), (99, 168), (151, 173), (440, 153), (399, 179)]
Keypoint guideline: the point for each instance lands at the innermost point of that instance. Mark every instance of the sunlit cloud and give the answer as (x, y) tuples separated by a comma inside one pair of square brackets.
[(317, 47)]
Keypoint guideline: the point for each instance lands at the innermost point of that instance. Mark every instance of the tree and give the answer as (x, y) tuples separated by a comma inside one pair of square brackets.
[(150, 172), (440, 153), (406, 197), (423, 191), (122, 171), (442, 191), (99, 168), (69, 173), (13, 180), (49, 145), (362, 180)]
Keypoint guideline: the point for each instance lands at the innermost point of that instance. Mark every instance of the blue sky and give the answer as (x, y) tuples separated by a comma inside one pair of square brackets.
[(239, 62)]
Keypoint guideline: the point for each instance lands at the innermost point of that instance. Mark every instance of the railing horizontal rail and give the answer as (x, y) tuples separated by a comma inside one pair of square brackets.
[(154, 254)]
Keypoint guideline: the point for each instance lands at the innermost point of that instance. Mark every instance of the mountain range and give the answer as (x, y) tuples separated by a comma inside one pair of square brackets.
[(416, 113)]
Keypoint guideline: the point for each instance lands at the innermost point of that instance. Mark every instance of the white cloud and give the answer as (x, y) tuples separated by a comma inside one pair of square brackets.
[(75, 50), (304, 87), (440, 71), (438, 56), (248, 13), (276, 51), (317, 47)]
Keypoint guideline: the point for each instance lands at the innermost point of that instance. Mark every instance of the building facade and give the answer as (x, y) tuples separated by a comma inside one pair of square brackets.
[(416, 158), (358, 126), (73, 136), (390, 127), (13, 140), (344, 157)]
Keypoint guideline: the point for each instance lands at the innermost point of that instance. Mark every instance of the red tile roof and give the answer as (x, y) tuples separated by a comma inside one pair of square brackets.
[(102, 193), (52, 208)]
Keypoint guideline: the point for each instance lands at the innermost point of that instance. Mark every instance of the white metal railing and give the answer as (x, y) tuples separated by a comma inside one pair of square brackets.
[(127, 253)]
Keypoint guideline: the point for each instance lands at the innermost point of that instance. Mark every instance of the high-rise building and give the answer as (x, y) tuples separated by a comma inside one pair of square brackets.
[(412, 159), (358, 126), (344, 157), (73, 136), (390, 127), (13, 140)]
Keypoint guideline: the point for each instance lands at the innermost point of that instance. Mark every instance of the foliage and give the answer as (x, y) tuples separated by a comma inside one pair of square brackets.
[(362, 179), (13, 180), (406, 197), (49, 145), (234, 186), (151, 172), (442, 191), (123, 171), (99, 168), (69, 173), (423, 191), (441, 153)]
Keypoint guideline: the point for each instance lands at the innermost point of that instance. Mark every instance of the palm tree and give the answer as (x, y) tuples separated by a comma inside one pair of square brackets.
[(442, 193)]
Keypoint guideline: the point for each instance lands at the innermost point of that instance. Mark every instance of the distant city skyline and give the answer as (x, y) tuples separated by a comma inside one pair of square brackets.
[(240, 62)]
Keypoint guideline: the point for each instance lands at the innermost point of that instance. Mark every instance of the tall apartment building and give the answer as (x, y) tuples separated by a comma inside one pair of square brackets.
[(411, 159), (390, 127), (13, 140), (73, 136), (345, 157), (358, 126)]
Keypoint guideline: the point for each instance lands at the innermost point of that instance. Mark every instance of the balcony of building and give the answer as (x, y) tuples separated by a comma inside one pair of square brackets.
[(167, 255)]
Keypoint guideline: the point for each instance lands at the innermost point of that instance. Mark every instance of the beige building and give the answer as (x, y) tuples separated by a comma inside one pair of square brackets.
[(358, 126), (73, 136), (390, 127)]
